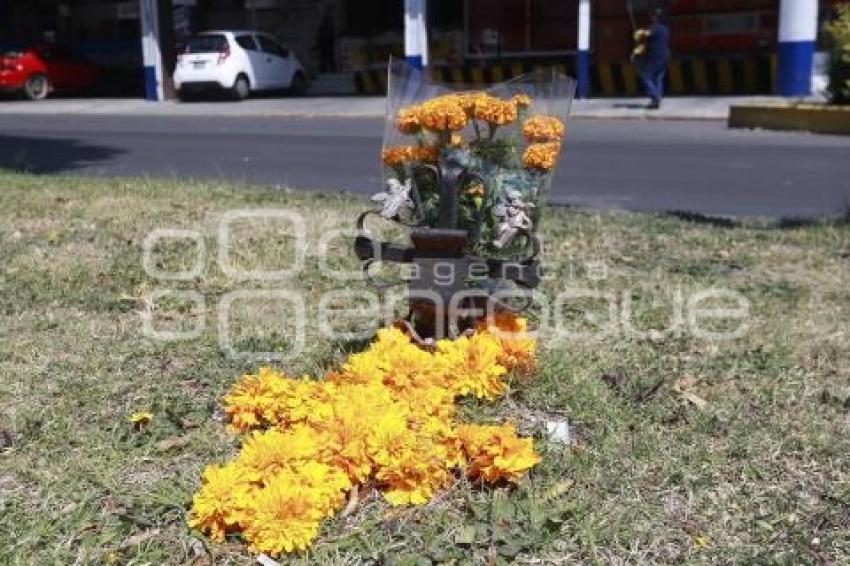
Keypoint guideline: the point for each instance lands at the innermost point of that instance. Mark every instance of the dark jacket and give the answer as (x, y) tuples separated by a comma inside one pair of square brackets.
[(657, 45)]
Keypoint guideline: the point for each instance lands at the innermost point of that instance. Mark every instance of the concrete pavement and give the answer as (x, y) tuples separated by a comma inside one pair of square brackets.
[(674, 108)]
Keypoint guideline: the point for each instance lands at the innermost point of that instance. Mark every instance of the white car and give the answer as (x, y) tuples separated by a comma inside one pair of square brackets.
[(240, 62)]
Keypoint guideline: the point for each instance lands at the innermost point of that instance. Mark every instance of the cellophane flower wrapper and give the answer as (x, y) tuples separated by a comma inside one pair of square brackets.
[(508, 137)]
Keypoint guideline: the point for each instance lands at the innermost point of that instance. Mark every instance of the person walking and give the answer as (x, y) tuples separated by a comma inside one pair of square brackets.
[(654, 54)]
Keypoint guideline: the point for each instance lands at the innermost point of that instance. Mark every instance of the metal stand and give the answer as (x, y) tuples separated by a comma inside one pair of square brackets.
[(449, 289)]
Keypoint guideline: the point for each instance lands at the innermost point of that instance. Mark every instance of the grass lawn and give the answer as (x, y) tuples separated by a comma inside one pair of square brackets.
[(684, 449)]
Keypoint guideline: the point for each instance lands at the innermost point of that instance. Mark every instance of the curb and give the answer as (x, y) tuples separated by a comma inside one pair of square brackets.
[(816, 118), (685, 76)]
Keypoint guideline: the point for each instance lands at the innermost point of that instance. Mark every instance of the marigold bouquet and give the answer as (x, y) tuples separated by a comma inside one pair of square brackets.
[(500, 147)]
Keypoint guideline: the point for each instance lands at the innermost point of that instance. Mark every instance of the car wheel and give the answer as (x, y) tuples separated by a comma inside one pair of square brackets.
[(299, 84), (37, 87), (241, 88)]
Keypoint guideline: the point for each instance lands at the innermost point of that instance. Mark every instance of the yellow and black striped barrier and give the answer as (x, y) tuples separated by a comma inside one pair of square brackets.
[(686, 76)]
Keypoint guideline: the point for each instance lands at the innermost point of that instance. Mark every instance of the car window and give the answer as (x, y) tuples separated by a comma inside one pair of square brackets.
[(60, 53), (271, 46), (247, 42), (206, 43)]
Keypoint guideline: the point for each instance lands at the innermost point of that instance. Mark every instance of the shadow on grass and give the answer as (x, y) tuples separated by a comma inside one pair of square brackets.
[(842, 218), (50, 155), (699, 218)]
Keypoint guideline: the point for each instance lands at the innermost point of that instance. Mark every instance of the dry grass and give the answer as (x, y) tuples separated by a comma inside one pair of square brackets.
[(759, 473)]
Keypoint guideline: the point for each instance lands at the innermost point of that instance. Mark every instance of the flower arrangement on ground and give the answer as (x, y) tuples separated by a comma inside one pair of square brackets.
[(386, 419)]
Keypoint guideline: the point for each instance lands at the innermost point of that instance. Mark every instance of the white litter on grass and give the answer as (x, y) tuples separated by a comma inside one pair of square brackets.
[(558, 431), (266, 560)]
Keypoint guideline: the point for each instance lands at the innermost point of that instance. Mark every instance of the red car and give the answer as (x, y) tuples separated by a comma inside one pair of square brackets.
[(38, 71)]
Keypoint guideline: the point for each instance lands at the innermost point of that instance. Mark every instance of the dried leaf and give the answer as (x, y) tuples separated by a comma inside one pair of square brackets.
[(558, 490), (171, 442), (694, 399), (139, 538), (684, 387), (465, 535)]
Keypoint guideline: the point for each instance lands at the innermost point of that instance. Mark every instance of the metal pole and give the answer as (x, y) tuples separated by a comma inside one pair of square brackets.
[(151, 54), (414, 32), (583, 50), (798, 28)]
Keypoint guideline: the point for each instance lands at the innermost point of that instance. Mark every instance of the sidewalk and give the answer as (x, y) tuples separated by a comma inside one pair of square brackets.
[(674, 108)]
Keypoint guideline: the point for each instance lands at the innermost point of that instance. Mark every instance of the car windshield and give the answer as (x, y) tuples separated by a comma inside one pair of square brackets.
[(207, 43)]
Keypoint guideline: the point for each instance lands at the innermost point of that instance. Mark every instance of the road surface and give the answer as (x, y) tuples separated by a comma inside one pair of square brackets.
[(622, 164)]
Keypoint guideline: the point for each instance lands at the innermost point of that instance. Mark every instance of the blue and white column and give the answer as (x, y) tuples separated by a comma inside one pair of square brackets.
[(583, 50), (151, 54), (416, 32), (798, 29)]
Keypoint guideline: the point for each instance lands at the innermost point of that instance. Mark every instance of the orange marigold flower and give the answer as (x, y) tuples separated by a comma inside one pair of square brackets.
[(496, 453), (543, 128), (407, 120), (469, 100), (495, 111), (428, 153), (443, 114), (541, 156), (398, 154), (218, 506), (518, 350)]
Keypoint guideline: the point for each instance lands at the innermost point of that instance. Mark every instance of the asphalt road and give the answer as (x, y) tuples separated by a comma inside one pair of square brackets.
[(629, 164)]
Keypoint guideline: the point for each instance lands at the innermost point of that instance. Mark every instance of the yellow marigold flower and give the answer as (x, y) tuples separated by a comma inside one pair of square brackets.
[(475, 366), (407, 120), (329, 482), (218, 505), (268, 398), (496, 111), (249, 404), (541, 156), (443, 114), (521, 99), (356, 410), (543, 129), (140, 419), (518, 353), (415, 473), (496, 453), (268, 452), (283, 516)]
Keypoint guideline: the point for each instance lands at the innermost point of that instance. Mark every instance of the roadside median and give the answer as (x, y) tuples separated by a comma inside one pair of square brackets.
[(816, 118)]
